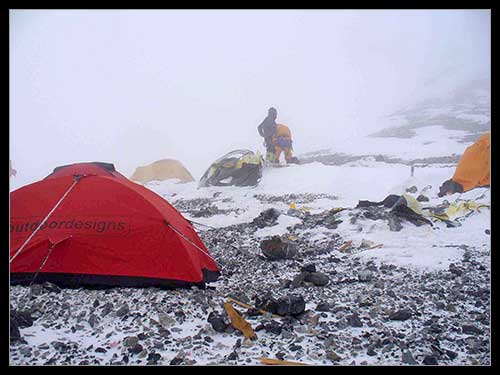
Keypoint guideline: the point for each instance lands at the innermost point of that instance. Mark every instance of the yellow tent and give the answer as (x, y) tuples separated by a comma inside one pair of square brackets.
[(473, 169), (162, 170)]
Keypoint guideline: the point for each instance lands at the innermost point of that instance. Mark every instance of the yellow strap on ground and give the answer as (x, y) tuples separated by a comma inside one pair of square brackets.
[(271, 361), (238, 322)]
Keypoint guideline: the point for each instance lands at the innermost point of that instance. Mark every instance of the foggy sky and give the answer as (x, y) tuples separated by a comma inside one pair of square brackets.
[(134, 86)]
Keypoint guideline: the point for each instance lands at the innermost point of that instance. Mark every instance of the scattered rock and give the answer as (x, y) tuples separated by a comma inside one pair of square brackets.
[(217, 321), (408, 358), (365, 275), (471, 330), (317, 278), (403, 314), (277, 248), (430, 360)]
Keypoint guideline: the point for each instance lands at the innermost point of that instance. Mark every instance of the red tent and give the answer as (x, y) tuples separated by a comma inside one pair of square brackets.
[(87, 225)]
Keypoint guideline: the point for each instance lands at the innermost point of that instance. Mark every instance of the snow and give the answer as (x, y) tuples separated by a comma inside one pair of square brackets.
[(423, 249)]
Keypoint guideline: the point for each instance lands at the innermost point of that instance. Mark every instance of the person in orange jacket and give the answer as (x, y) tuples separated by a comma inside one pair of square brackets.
[(278, 139)]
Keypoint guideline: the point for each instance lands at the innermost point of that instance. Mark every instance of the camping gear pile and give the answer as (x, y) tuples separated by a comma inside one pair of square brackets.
[(236, 168)]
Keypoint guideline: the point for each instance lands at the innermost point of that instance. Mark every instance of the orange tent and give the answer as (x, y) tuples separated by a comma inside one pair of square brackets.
[(473, 169)]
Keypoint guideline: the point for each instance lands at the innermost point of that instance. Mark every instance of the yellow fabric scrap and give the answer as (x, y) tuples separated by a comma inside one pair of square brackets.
[(238, 322)]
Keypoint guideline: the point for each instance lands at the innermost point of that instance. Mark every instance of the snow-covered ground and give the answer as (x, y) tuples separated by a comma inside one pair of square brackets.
[(417, 253)]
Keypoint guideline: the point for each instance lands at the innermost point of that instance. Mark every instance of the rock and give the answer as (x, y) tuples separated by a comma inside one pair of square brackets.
[(107, 308), (412, 189), (273, 327), (136, 349), (366, 244), (153, 358), (15, 334), (455, 270), (430, 360), (422, 198), (403, 314), (232, 356), (36, 290), (354, 321), (451, 354), (309, 268), (51, 288), (22, 318), (93, 320), (487, 231), (371, 352), (323, 306), (290, 305), (365, 275), (217, 322), (277, 248), (299, 280), (266, 218), (408, 358), (318, 278), (176, 361), (471, 330), (166, 320), (332, 356), (130, 341), (122, 311)]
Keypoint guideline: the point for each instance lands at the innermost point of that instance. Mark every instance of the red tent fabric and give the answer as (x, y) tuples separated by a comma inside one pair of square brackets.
[(100, 229)]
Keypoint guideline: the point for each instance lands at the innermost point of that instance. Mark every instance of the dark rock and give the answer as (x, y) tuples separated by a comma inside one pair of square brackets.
[(332, 356), (107, 308), (371, 352), (487, 231), (299, 280), (51, 288), (217, 321), (277, 248), (15, 334), (176, 361), (136, 349), (408, 358), (153, 357), (232, 356), (36, 290), (122, 311), (318, 278), (455, 270), (22, 318), (100, 350), (266, 218), (308, 268), (354, 321), (403, 314), (93, 320), (422, 198), (471, 330), (96, 303), (451, 354), (294, 347), (430, 360), (273, 327), (323, 306), (412, 189)]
